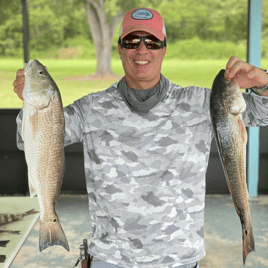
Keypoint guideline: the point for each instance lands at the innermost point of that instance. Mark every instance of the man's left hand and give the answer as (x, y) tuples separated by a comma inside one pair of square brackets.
[(245, 74)]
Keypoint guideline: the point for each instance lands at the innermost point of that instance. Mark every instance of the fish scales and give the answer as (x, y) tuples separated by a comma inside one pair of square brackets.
[(226, 106), (50, 162), (43, 134)]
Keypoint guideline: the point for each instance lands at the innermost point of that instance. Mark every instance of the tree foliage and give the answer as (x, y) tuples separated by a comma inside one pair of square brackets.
[(10, 26), (210, 19), (52, 22)]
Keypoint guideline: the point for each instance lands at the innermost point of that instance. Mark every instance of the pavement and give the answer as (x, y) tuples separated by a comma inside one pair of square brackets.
[(223, 235)]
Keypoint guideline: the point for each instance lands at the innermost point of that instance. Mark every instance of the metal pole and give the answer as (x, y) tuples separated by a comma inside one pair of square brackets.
[(25, 30), (254, 58)]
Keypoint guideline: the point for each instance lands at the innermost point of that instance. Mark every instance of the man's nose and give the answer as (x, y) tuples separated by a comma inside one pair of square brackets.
[(142, 48)]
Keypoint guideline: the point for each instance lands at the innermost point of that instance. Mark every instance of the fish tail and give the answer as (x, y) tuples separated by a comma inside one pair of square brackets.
[(51, 233), (248, 243)]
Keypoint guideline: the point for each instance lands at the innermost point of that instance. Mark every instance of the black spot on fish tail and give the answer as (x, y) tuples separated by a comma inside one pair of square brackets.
[(51, 233), (248, 243)]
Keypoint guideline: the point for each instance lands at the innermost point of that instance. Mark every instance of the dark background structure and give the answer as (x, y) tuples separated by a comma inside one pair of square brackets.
[(14, 177)]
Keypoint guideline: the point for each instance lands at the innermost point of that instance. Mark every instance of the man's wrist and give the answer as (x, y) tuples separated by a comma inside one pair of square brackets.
[(260, 89)]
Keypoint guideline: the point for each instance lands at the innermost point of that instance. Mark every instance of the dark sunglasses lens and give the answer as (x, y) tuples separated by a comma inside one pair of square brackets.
[(133, 42), (153, 45)]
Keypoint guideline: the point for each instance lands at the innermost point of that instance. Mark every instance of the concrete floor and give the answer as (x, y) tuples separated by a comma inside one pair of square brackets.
[(223, 235)]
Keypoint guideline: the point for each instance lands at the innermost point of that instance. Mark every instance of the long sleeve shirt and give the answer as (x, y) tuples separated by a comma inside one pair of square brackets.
[(145, 174)]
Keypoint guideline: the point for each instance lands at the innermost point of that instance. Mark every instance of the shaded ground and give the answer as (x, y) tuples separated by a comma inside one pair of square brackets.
[(223, 235)]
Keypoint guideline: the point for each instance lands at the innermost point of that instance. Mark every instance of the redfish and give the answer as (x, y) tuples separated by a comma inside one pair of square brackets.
[(43, 135), (226, 107)]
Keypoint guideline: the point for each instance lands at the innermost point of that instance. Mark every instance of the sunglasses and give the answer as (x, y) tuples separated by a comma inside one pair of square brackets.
[(133, 42)]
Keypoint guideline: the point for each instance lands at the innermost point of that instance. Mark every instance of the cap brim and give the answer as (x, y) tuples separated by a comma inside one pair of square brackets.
[(144, 28)]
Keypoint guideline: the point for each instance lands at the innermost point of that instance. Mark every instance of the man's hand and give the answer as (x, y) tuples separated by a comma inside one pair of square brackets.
[(19, 83), (245, 74)]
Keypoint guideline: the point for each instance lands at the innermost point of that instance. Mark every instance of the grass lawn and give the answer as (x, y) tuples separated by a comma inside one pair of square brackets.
[(182, 72)]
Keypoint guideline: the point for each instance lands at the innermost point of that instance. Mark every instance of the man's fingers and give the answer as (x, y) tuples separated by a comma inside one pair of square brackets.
[(234, 65), (231, 62), (19, 77), (238, 66), (18, 90), (19, 81), (20, 72)]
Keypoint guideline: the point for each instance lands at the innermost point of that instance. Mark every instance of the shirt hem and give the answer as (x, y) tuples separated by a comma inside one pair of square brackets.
[(195, 259)]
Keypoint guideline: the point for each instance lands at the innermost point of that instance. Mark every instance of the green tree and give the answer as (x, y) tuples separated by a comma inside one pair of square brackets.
[(52, 22), (103, 18), (10, 27), (207, 19)]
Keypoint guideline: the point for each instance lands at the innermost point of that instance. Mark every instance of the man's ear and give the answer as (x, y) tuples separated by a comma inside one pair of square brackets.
[(164, 51), (120, 51)]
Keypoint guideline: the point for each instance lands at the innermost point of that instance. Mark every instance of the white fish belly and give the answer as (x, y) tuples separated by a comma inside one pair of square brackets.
[(44, 154)]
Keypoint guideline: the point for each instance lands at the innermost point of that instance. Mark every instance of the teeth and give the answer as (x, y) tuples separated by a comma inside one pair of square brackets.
[(142, 62)]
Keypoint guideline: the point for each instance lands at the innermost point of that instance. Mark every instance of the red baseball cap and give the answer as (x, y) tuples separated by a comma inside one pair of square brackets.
[(143, 19)]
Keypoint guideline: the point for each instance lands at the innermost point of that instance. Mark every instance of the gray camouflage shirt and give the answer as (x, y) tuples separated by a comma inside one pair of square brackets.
[(145, 174)]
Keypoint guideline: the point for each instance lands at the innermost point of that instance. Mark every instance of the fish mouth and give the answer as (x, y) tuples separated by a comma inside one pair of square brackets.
[(230, 82), (27, 67)]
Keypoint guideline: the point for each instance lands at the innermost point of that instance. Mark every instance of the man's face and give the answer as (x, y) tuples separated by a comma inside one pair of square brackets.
[(142, 64)]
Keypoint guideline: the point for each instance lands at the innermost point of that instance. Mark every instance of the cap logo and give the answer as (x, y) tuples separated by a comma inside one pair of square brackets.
[(142, 14)]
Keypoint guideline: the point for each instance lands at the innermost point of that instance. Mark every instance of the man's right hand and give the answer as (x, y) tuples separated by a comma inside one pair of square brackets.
[(19, 83)]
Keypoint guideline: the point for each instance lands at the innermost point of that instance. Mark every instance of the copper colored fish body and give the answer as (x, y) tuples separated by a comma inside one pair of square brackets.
[(43, 134), (226, 107)]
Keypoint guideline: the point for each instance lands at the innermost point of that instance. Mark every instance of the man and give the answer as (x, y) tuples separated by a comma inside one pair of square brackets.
[(146, 148)]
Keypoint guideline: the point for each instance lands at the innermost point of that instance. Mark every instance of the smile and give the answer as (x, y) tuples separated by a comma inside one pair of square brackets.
[(142, 62)]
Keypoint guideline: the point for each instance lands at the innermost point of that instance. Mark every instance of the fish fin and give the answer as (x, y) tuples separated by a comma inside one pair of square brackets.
[(54, 96), (23, 127), (242, 128), (34, 122), (31, 188), (51, 233), (248, 243)]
